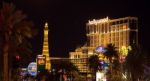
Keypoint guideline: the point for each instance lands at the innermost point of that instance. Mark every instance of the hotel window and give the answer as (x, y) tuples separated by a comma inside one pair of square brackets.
[(117, 28), (113, 34), (109, 28), (113, 38), (102, 28), (121, 34), (117, 38), (133, 25), (94, 27), (121, 22), (105, 28), (113, 23), (125, 26), (114, 28), (121, 27), (78, 56), (125, 21), (118, 22)]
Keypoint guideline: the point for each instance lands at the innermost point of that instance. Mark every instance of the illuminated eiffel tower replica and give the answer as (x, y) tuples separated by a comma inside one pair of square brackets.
[(45, 51)]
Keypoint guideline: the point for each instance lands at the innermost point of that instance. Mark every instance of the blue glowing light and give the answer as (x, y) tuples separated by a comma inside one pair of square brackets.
[(100, 49), (32, 68)]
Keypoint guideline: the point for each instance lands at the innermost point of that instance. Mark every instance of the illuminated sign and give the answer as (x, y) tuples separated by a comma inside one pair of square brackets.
[(99, 21), (100, 49), (41, 60), (32, 68)]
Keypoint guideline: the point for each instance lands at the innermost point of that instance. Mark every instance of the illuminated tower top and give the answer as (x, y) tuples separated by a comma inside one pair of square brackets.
[(46, 26)]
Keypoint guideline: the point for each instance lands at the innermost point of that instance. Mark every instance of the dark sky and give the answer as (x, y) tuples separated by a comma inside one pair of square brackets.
[(67, 19)]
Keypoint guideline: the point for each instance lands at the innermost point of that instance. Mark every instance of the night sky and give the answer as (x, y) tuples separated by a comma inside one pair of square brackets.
[(67, 19)]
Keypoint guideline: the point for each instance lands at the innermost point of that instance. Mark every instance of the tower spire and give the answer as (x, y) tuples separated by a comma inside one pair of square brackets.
[(46, 26), (45, 51)]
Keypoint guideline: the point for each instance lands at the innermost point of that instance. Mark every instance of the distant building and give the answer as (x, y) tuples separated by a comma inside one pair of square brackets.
[(79, 58), (121, 32), (55, 61)]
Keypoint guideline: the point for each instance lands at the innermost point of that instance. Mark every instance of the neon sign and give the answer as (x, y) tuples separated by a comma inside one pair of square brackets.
[(98, 21), (100, 49)]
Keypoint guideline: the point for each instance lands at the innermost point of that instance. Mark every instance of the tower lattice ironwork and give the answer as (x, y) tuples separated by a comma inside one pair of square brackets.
[(45, 51)]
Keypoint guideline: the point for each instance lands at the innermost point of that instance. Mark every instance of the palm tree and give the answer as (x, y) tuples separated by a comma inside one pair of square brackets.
[(65, 66), (14, 29), (94, 63), (110, 53), (116, 71), (135, 63)]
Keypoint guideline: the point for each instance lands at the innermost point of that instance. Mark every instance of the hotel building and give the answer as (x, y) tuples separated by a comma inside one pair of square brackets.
[(121, 32)]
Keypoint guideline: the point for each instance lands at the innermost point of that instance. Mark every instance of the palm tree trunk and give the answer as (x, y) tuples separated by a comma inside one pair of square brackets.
[(5, 67), (110, 67), (110, 61), (133, 77)]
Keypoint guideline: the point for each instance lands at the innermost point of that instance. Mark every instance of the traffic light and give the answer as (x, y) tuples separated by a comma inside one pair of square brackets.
[(16, 61), (17, 57)]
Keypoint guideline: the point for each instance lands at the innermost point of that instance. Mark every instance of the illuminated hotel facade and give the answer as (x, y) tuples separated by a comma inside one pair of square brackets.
[(121, 32), (79, 59)]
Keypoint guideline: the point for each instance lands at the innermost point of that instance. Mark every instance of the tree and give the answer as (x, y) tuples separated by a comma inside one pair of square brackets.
[(116, 74), (111, 53), (135, 63), (65, 67), (64, 64), (94, 64), (14, 30)]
